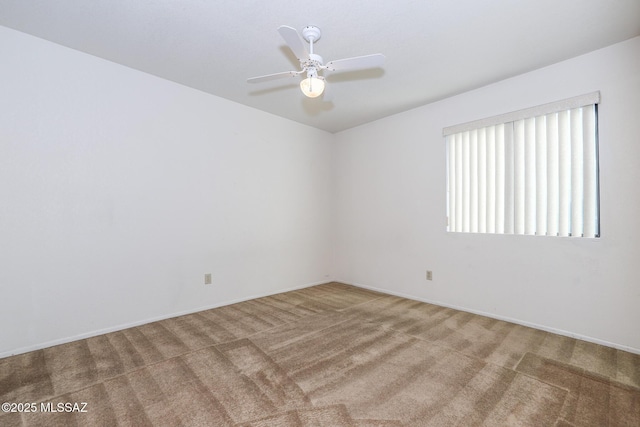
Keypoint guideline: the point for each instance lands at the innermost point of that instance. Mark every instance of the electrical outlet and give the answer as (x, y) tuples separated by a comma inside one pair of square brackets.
[(429, 275), (207, 279)]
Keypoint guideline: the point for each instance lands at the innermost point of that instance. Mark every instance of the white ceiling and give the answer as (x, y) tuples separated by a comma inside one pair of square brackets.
[(434, 48)]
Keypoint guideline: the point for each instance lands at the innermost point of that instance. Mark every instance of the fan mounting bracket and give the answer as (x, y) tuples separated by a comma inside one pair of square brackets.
[(310, 32)]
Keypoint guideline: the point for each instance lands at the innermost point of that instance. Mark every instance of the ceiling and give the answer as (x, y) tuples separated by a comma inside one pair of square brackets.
[(434, 49)]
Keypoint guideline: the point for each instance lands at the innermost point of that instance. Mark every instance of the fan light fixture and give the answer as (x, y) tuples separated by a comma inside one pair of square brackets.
[(312, 86)]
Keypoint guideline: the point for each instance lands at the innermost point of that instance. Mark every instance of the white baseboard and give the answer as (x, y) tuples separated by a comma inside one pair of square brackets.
[(498, 317), (145, 321)]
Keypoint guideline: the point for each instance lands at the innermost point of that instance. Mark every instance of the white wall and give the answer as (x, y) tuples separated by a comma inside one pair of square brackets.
[(390, 210), (119, 191)]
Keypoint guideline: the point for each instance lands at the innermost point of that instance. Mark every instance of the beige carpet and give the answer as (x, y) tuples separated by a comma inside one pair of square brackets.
[(331, 355)]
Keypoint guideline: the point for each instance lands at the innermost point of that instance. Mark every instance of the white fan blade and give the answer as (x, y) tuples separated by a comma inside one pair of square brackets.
[(275, 76), (295, 43), (356, 63)]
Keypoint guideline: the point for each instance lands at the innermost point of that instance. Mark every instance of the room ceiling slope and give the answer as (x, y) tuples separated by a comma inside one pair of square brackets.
[(434, 49)]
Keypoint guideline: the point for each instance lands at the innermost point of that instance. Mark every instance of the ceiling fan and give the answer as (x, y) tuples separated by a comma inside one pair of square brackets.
[(311, 64)]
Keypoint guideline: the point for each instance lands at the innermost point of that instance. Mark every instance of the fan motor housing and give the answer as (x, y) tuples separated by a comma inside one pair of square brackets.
[(315, 59)]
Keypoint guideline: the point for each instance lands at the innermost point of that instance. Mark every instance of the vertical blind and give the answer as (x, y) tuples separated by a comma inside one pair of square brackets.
[(531, 172)]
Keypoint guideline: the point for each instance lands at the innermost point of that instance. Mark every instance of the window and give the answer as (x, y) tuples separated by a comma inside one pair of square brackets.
[(530, 172)]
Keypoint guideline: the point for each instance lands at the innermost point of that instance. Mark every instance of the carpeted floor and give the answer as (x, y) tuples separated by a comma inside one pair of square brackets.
[(330, 355)]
